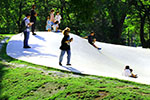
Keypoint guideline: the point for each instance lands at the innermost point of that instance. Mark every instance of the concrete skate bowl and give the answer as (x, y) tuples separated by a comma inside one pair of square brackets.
[(85, 59)]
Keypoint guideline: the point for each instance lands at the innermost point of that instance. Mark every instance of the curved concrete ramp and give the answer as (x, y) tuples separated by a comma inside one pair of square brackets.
[(110, 61)]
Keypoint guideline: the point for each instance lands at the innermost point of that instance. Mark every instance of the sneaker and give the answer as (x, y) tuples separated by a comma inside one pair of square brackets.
[(26, 47), (136, 76), (60, 64), (68, 64), (33, 33), (99, 48)]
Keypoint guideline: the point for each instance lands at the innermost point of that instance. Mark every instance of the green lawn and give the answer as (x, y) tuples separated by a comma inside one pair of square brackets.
[(6, 35), (1, 37), (26, 83)]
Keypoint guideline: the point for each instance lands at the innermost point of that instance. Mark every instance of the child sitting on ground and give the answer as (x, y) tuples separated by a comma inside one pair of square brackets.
[(132, 75), (128, 72), (55, 27)]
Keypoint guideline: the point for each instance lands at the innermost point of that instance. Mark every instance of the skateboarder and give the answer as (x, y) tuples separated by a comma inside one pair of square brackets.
[(92, 40)]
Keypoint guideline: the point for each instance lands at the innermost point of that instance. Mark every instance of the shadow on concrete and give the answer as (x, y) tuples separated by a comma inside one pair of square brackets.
[(72, 69), (19, 51), (40, 38)]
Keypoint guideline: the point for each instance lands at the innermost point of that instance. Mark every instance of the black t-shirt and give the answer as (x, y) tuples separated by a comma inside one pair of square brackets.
[(65, 46), (90, 39), (33, 18)]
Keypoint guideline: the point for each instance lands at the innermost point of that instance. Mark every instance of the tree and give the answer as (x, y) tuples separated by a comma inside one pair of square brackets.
[(117, 11), (143, 9)]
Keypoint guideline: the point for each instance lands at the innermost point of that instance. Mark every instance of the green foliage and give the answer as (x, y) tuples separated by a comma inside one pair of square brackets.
[(1, 38), (83, 10), (109, 19)]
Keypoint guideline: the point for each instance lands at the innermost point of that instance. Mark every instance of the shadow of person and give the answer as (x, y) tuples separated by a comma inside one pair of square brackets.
[(34, 52), (72, 69), (40, 38)]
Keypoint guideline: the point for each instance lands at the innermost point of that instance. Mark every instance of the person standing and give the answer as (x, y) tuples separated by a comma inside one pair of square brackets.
[(65, 47), (33, 18), (55, 27), (58, 17), (52, 19), (28, 24), (48, 24)]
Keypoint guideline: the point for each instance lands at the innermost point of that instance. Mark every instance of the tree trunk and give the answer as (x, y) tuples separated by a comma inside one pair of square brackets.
[(121, 25), (143, 42), (62, 8), (118, 25), (115, 31), (20, 14)]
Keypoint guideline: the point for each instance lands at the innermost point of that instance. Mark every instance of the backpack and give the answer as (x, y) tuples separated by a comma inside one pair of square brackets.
[(23, 26)]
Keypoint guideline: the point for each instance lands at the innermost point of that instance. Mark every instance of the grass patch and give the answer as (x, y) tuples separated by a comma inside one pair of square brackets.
[(6, 35), (1, 37), (31, 84)]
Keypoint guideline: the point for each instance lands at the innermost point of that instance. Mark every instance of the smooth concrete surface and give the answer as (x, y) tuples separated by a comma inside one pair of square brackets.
[(110, 61)]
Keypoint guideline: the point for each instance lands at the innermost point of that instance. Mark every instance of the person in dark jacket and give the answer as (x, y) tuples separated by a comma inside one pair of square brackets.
[(65, 47), (33, 18), (92, 40)]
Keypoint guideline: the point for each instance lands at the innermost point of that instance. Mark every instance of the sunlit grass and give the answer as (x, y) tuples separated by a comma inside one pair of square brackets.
[(31, 84)]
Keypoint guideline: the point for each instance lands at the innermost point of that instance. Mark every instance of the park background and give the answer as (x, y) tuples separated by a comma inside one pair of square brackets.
[(125, 22)]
